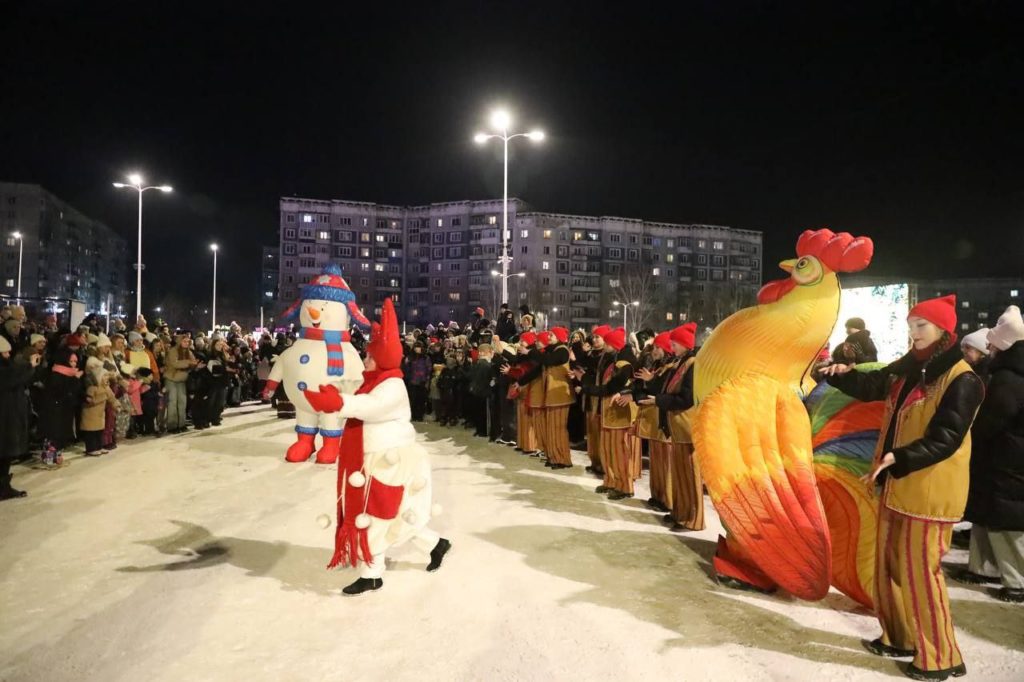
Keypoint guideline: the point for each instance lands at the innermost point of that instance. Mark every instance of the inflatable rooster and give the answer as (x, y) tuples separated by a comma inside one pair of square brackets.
[(753, 437), (322, 354), (384, 482)]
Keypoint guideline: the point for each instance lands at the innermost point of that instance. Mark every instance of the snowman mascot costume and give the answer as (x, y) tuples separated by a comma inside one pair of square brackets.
[(322, 354), (384, 490)]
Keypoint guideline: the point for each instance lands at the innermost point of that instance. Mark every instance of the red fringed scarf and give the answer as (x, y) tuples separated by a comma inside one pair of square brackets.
[(351, 544)]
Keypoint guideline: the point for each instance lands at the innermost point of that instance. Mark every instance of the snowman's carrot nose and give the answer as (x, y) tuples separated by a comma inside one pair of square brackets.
[(314, 313)]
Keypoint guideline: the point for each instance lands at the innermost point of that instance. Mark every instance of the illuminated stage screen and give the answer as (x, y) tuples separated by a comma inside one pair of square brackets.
[(884, 310)]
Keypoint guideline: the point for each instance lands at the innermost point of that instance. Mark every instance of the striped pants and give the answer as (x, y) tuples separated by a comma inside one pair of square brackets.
[(526, 437), (911, 600), (594, 440), (661, 472), (620, 457), (687, 486), (554, 434)]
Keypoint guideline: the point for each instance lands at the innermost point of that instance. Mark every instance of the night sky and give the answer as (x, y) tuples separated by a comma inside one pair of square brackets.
[(901, 124)]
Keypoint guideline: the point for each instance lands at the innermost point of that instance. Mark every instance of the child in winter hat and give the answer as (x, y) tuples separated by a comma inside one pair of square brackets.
[(1008, 330)]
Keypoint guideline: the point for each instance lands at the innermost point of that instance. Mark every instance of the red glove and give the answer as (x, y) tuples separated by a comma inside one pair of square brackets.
[(327, 400), (268, 390)]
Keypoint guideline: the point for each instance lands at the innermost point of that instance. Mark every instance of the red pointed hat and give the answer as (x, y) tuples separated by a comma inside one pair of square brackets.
[(663, 342), (685, 335), (939, 311), (546, 338), (601, 330), (561, 333), (529, 338), (616, 338), (385, 345)]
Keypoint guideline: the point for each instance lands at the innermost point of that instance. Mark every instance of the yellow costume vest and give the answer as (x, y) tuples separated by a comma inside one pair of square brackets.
[(615, 416), (557, 389), (938, 492), (647, 415)]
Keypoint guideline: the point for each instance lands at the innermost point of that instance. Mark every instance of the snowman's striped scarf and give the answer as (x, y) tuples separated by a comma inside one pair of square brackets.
[(333, 339)]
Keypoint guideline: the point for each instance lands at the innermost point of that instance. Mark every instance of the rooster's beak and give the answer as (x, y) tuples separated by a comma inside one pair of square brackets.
[(788, 265)]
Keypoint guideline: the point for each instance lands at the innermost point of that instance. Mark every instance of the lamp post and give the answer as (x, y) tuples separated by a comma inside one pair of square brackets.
[(625, 309), (213, 329), (504, 280), (135, 182), (21, 251), (501, 120)]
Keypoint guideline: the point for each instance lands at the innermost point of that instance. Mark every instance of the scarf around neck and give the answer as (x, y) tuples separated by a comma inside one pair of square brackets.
[(333, 339)]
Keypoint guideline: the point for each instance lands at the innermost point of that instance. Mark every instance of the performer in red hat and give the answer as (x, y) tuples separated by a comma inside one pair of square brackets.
[(588, 369), (922, 462), (548, 383), (384, 482)]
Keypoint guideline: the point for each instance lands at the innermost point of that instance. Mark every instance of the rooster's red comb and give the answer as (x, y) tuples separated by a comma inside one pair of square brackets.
[(838, 252)]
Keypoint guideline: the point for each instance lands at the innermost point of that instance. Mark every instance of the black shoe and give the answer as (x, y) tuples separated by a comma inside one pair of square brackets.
[(915, 673), (603, 489), (549, 465), (437, 554), (736, 584), (216, 423), (962, 539), (878, 648), (559, 466), (968, 578), (1006, 594), (656, 505), (364, 585), (9, 493), (619, 495), (668, 519), (680, 528)]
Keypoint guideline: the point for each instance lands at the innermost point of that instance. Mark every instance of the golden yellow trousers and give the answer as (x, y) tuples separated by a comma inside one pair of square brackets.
[(620, 455), (687, 486), (526, 434), (555, 435), (911, 600)]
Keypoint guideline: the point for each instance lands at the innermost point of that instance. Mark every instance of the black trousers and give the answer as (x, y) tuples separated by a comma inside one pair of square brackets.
[(93, 440), (417, 402), (478, 407)]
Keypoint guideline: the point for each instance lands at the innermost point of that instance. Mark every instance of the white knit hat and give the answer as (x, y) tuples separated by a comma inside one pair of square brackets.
[(5, 345), (36, 338), (1008, 330), (104, 341), (978, 340)]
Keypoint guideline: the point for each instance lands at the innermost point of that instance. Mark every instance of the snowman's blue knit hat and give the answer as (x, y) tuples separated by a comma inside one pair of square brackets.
[(328, 286)]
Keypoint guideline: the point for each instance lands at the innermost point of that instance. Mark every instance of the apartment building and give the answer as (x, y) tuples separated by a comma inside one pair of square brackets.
[(439, 262)]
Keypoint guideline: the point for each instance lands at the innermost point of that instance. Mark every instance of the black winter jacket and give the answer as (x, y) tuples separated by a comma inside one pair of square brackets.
[(996, 500)]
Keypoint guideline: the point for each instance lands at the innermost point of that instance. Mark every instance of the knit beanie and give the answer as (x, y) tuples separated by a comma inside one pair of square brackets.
[(36, 338), (856, 323), (134, 336), (5, 345), (1008, 330), (103, 341), (939, 311), (664, 342), (545, 338), (685, 335), (561, 333), (616, 338), (601, 330), (978, 340), (93, 339), (529, 338)]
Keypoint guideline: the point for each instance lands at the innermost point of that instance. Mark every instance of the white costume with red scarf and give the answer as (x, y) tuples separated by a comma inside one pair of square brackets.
[(384, 487)]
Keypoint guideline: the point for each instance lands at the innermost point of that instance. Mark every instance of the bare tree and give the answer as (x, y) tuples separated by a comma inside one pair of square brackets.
[(638, 284)]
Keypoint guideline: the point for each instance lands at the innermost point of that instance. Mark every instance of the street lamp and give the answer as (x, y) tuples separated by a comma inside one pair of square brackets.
[(135, 182), (625, 309), (214, 248), (21, 251), (501, 120)]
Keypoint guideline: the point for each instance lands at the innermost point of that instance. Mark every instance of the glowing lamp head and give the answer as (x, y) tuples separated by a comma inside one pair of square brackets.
[(501, 120), (135, 179), (495, 273), (480, 138), (16, 235), (536, 135), (214, 247), (166, 188)]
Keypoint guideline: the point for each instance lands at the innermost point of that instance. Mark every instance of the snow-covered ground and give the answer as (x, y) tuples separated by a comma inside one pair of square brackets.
[(199, 557)]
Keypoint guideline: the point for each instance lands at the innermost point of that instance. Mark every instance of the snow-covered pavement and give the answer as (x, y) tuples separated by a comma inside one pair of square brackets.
[(199, 557)]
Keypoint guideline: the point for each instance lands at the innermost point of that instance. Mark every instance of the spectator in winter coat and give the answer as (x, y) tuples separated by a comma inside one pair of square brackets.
[(975, 349), (418, 378), (480, 379), (179, 362), (858, 339), (62, 397), (97, 396), (996, 501), (506, 324), (15, 376), (447, 384)]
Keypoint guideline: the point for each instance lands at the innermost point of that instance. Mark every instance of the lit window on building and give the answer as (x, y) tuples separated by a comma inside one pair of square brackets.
[(718, 246), (323, 235), (378, 267), (669, 316), (670, 258), (307, 218), (547, 234), (546, 265), (965, 304), (440, 222), (491, 220), (1014, 293), (524, 234), (656, 271), (365, 267), (454, 296)]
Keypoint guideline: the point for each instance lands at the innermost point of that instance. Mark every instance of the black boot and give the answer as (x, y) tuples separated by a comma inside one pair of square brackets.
[(437, 554), (1007, 594), (7, 492), (915, 673), (878, 648), (364, 585)]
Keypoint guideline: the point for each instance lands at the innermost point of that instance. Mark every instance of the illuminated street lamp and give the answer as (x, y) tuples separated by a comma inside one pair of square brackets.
[(625, 309), (21, 251), (135, 182), (501, 120), (215, 249)]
